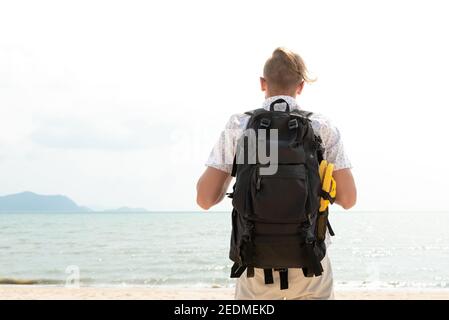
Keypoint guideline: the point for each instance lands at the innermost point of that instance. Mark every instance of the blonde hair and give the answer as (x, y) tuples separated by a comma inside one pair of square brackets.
[(285, 70)]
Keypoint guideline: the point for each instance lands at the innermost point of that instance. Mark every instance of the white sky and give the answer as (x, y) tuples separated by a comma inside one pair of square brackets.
[(96, 95)]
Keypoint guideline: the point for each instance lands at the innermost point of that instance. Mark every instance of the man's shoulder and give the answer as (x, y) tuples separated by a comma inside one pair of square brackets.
[(321, 121), (237, 121), (319, 117)]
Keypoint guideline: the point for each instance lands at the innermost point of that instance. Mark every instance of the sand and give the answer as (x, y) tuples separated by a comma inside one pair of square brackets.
[(8, 292)]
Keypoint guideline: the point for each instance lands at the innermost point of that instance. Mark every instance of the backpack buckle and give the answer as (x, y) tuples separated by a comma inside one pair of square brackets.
[(265, 123), (293, 124)]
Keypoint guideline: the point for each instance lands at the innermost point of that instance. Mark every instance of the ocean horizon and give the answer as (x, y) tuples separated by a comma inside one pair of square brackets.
[(375, 249)]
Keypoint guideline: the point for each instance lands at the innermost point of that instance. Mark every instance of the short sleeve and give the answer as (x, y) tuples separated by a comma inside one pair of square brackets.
[(334, 149), (222, 155)]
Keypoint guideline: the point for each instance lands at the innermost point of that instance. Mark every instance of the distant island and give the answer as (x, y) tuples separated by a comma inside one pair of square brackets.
[(29, 201), (32, 202)]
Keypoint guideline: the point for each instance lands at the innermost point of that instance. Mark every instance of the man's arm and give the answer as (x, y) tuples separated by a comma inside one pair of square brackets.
[(211, 187), (346, 190)]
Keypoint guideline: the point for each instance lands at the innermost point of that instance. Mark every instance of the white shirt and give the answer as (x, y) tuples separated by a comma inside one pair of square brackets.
[(222, 155)]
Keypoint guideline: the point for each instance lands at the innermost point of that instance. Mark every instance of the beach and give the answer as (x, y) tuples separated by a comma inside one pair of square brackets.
[(18, 292)]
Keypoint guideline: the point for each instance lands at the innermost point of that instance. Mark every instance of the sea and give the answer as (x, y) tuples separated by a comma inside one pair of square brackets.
[(371, 250)]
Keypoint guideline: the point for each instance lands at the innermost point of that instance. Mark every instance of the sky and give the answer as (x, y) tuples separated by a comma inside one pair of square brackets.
[(118, 103)]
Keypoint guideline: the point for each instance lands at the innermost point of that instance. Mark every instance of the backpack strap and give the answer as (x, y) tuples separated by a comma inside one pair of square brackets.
[(237, 270), (268, 276), (283, 276), (314, 267), (234, 166), (327, 196), (329, 227)]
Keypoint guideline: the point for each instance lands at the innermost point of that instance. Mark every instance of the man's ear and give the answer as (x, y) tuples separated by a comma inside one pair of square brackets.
[(299, 88), (263, 84)]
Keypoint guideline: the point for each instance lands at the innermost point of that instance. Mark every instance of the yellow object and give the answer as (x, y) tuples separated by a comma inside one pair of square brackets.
[(328, 183)]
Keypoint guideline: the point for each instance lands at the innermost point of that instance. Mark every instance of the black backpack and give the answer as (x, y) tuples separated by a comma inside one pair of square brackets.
[(276, 223)]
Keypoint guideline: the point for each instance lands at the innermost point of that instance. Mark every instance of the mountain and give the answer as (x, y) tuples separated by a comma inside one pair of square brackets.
[(30, 201)]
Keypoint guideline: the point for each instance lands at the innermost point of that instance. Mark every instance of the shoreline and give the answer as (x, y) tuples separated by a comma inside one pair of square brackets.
[(53, 292)]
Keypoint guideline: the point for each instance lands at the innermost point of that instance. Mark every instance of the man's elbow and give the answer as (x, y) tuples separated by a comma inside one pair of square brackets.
[(204, 202), (347, 202), (202, 198)]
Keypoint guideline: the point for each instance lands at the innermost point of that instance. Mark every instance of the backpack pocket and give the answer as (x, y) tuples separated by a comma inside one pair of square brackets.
[(281, 197), (241, 193)]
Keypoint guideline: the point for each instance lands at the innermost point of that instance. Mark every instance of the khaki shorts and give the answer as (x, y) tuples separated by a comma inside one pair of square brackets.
[(299, 286)]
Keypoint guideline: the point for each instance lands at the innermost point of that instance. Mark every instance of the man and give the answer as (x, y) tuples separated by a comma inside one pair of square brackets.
[(284, 76)]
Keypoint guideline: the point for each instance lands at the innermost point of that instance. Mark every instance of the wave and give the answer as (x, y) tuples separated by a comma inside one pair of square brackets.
[(4, 281)]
